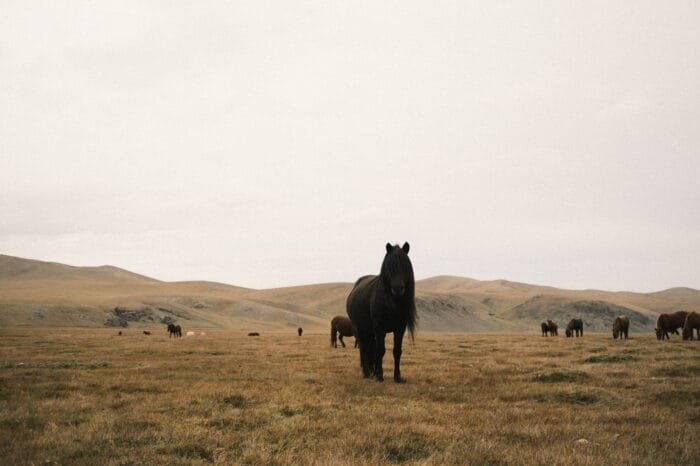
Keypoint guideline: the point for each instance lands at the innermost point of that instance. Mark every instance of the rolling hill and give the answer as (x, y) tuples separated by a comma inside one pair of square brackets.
[(37, 293)]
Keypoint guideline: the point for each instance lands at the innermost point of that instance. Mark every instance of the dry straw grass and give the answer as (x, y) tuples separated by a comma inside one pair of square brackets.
[(76, 396)]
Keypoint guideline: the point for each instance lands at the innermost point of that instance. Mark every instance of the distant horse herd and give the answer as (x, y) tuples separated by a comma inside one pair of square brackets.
[(385, 303), (670, 323), (689, 322)]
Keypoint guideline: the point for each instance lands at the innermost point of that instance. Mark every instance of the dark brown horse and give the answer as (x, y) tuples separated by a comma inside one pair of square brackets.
[(381, 304), (692, 322), (341, 327), (669, 323), (300, 331), (549, 328), (621, 327), (545, 329), (574, 327), (174, 331)]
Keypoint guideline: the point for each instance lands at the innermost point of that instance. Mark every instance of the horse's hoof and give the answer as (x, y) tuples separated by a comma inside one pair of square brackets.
[(380, 378), (399, 380)]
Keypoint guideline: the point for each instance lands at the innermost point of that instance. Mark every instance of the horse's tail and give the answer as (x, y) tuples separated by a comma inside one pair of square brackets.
[(333, 335)]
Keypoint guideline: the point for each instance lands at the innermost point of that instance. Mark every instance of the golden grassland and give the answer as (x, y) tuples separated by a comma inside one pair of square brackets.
[(79, 396)]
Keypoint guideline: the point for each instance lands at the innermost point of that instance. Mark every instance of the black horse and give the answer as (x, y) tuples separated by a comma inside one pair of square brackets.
[(381, 304), (549, 328), (341, 327), (575, 326), (300, 331), (174, 330)]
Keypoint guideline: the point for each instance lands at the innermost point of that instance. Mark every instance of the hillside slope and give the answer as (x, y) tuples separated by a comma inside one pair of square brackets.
[(37, 293)]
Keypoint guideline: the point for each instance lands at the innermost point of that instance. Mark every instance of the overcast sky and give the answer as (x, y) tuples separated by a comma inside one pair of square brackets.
[(278, 143)]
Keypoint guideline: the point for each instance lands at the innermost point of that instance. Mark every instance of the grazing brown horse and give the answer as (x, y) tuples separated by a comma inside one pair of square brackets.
[(575, 327), (549, 328), (381, 304), (621, 327), (545, 329), (692, 322), (669, 323), (253, 334), (300, 331), (146, 332), (174, 330), (341, 327)]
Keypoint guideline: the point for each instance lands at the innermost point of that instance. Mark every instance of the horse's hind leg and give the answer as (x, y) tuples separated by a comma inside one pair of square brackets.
[(367, 355), (340, 337)]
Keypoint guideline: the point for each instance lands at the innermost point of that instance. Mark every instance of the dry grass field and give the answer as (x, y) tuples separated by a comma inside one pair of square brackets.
[(88, 396)]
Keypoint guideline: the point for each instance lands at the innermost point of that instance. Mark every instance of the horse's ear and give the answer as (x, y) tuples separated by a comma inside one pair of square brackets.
[(389, 248), (405, 247)]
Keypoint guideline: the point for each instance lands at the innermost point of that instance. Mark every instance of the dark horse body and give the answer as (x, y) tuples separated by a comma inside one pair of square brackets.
[(381, 304), (692, 322), (341, 327), (549, 328), (621, 327), (174, 330), (667, 323), (575, 327)]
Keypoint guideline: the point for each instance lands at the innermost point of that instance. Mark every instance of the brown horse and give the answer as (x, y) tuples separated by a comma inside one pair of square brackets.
[(621, 327), (549, 328), (692, 322), (574, 328), (174, 330), (341, 327), (300, 331), (545, 329), (669, 323)]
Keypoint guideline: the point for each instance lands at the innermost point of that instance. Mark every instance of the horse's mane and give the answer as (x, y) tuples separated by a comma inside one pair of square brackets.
[(395, 262)]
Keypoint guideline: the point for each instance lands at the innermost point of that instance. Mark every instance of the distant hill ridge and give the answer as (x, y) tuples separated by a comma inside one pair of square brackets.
[(17, 268), (43, 293)]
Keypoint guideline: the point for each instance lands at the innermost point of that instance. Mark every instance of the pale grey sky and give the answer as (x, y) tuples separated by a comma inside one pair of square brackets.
[(279, 143)]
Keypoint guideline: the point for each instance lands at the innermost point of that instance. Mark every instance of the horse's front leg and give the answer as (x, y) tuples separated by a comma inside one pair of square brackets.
[(398, 341), (366, 354), (380, 349)]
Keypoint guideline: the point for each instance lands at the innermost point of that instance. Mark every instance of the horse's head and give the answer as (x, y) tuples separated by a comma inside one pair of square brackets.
[(397, 271), (659, 333)]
